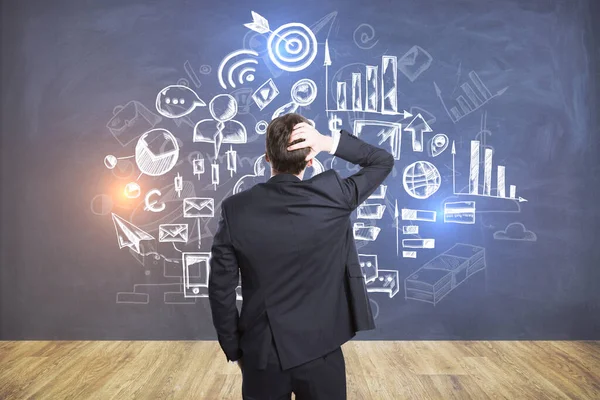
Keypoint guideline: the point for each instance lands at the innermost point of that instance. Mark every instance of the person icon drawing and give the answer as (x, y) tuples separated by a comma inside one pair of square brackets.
[(222, 128)]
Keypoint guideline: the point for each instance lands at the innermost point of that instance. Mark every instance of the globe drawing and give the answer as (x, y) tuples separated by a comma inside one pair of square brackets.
[(421, 179)]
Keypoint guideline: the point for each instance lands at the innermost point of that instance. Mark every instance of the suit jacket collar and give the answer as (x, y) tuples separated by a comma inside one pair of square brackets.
[(284, 178)]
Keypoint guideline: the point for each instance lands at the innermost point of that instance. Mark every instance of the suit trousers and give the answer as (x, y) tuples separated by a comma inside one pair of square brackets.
[(321, 378)]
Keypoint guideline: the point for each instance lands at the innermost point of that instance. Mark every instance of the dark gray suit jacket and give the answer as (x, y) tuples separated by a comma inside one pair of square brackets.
[(292, 242)]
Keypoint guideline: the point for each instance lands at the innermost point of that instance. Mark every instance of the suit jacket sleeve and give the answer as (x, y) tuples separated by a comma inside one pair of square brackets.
[(223, 279), (376, 165)]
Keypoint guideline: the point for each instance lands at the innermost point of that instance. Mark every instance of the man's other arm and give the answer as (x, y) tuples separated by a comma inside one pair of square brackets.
[(376, 165), (223, 279)]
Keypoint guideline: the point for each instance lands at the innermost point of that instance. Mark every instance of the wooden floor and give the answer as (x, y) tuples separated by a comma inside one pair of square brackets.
[(375, 370)]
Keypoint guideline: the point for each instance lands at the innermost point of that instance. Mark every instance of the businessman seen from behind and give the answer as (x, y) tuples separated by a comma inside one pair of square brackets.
[(291, 240)]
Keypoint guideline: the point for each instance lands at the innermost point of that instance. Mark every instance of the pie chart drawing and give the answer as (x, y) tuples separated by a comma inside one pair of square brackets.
[(156, 152)]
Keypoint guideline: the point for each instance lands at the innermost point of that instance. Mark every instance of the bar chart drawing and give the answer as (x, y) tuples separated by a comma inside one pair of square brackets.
[(477, 97), (474, 175), (373, 91)]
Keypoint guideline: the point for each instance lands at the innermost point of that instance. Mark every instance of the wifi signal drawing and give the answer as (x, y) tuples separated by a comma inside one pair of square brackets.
[(238, 70)]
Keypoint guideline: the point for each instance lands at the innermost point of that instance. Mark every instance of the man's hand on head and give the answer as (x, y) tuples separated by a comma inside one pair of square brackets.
[(312, 139)]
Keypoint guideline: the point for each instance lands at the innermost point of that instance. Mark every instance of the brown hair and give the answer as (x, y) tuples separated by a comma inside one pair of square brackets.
[(278, 137)]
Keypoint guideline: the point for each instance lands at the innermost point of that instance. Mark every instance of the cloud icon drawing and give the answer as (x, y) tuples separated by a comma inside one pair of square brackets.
[(516, 231)]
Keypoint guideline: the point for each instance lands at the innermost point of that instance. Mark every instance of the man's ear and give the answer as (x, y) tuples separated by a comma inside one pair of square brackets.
[(267, 158), (309, 163)]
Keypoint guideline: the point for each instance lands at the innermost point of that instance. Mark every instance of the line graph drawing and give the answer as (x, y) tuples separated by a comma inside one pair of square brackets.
[(176, 101), (364, 36), (244, 72), (437, 278), (477, 99)]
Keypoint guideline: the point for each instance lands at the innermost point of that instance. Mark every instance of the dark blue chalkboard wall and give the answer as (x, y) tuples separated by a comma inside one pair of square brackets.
[(126, 123)]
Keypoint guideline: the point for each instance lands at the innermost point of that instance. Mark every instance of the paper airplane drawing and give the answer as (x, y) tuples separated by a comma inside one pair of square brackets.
[(129, 235)]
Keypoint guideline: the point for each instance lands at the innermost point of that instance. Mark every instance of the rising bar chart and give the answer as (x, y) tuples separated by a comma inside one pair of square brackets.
[(375, 90), (475, 94)]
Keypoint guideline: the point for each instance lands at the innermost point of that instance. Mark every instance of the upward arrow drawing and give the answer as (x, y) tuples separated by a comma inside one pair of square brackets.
[(396, 215), (417, 139), (453, 167), (326, 64), (327, 61)]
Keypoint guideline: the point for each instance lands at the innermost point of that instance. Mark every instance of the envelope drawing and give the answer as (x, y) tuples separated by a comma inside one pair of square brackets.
[(173, 233), (416, 61), (198, 207), (130, 121)]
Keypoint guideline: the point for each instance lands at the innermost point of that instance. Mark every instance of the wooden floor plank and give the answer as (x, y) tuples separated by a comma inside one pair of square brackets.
[(377, 370)]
